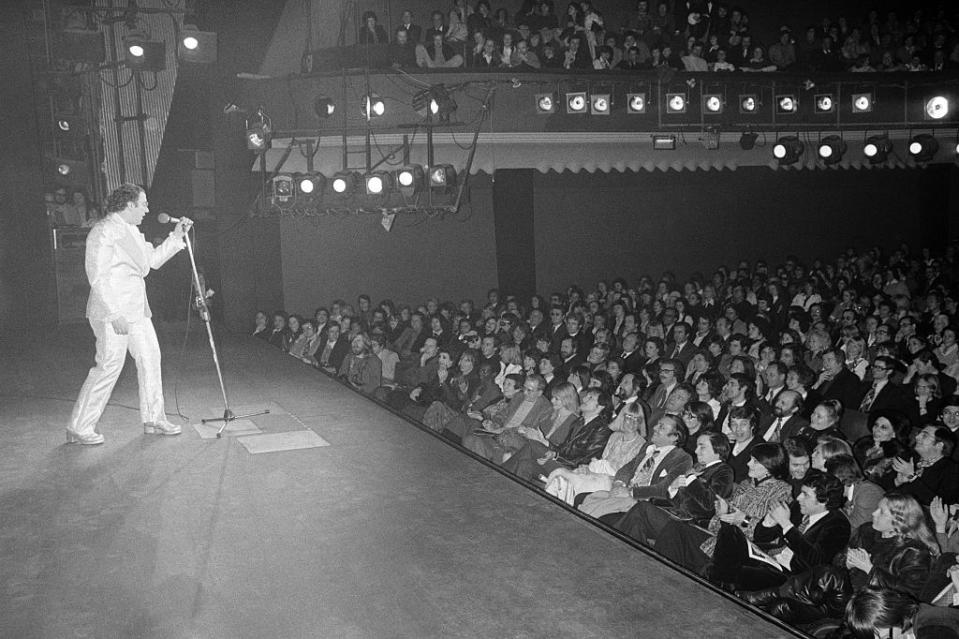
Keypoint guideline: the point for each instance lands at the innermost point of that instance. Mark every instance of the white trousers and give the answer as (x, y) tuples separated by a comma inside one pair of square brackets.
[(141, 341)]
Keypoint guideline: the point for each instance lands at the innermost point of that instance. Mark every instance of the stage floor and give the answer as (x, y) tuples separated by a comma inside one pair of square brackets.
[(386, 532)]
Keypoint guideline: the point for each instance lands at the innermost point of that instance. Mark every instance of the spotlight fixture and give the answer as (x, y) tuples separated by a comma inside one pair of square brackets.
[(664, 142), (144, 55), (599, 104), (197, 46), (259, 132), (545, 103), (343, 183), (310, 184), (713, 103), (379, 183), (786, 104), (748, 103), (635, 103), (825, 103), (283, 188), (441, 104), (409, 179), (877, 148), (937, 107), (323, 106), (373, 106), (788, 149), (576, 103), (66, 171), (862, 102), (675, 103), (923, 147), (831, 149), (747, 140), (442, 176)]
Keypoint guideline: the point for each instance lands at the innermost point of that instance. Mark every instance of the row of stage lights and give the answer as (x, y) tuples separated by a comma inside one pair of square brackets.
[(580, 102), (408, 181), (143, 54), (877, 148)]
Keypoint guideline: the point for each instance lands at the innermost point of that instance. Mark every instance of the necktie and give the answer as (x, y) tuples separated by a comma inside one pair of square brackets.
[(774, 437), (804, 526), (644, 474), (868, 400)]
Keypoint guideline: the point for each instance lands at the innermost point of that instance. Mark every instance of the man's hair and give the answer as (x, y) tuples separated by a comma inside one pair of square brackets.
[(772, 457), (122, 196), (537, 379), (679, 428), (779, 366), (828, 488), (719, 442), (745, 412), (874, 606), (797, 446), (947, 438), (845, 468), (745, 382)]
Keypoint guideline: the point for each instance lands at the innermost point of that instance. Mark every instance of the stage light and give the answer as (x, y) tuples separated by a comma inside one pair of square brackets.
[(713, 103), (259, 131), (923, 147), (788, 150), (323, 107), (861, 102), (937, 108), (599, 104), (747, 140), (825, 103), (64, 169), (748, 103), (343, 183), (664, 142), (379, 183), (373, 106), (675, 103), (877, 148), (409, 179), (197, 46), (635, 103), (283, 188), (786, 104), (545, 103), (831, 149), (441, 104), (143, 55), (576, 103), (310, 184), (442, 176)]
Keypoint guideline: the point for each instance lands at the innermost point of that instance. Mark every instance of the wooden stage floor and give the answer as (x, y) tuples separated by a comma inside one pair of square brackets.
[(387, 532)]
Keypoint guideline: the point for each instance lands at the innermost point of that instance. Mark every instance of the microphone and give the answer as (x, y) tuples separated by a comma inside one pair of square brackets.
[(163, 218)]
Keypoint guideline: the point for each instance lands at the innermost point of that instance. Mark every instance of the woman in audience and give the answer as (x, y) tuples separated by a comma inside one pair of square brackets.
[(862, 495), (512, 362), (749, 504), (654, 351), (926, 401), (623, 445), (826, 448), (260, 328), (824, 421), (294, 326), (889, 439), (698, 418), (709, 389)]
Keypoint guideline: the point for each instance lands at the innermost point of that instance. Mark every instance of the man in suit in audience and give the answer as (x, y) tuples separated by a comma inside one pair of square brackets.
[(681, 348), (883, 393), (333, 348), (632, 355), (785, 420), (838, 382), (935, 474), (414, 31), (670, 372)]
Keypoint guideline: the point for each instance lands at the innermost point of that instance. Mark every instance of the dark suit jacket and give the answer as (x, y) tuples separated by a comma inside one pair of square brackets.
[(685, 354), (585, 442), (891, 397), (941, 479), (538, 416), (676, 462), (415, 32), (790, 427), (337, 354), (698, 499), (633, 363), (816, 547), (739, 462), (845, 387)]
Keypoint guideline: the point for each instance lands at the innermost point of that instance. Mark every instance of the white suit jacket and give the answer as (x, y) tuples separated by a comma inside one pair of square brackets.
[(118, 257)]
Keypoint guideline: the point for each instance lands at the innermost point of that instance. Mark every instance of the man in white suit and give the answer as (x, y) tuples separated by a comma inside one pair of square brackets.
[(118, 257)]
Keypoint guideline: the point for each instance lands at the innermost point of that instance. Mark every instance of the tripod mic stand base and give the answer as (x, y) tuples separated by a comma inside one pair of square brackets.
[(228, 417)]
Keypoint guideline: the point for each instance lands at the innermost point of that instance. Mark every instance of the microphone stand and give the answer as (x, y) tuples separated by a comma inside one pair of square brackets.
[(204, 310)]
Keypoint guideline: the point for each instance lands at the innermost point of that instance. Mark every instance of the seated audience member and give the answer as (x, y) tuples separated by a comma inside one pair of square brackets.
[(895, 549), (751, 501), (300, 348), (360, 368), (742, 435), (260, 328), (623, 445), (414, 31), (883, 393), (586, 439), (331, 350), (437, 54), (795, 544), (411, 338), (499, 438), (648, 475), (388, 359), (372, 32), (800, 462), (698, 418), (862, 495), (889, 439), (402, 51), (437, 387), (458, 393), (825, 449), (280, 335), (476, 413), (925, 403), (837, 382), (709, 389), (824, 422), (785, 420), (521, 58), (875, 611), (691, 497), (934, 473)]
